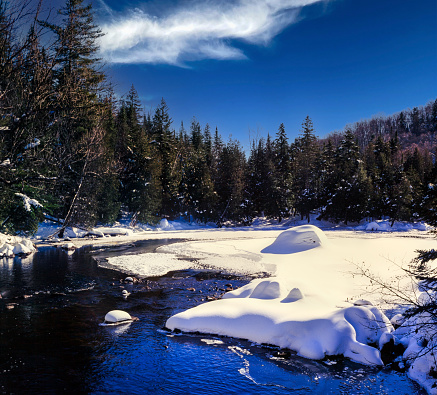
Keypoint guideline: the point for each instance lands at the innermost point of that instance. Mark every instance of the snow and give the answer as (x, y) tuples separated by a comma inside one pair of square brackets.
[(28, 202), (316, 299), (292, 312), (297, 239), (315, 302), (34, 144), (117, 317), (148, 265), (15, 245)]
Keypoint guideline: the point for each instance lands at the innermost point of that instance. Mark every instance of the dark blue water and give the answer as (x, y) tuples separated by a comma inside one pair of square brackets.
[(51, 342)]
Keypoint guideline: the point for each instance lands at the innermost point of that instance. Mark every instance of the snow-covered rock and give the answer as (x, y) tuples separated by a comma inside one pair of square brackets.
[(15, 245), (297, 239), (115, 231), (117, 317), (68, 246), (362, 302), (373, 226)]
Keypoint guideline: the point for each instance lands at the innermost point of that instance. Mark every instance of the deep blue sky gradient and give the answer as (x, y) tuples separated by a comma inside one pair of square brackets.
[(344, 61)]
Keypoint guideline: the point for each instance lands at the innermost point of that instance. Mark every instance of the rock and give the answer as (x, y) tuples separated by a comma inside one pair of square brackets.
[(363, 302), (390, 351), (68, 246), (115, 317), (129, 280), (125, 293)]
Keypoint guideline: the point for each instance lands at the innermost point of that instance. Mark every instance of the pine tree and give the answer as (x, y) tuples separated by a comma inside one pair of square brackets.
[(25, 79), (349, 199), (260, 188), (306, 152), (282, 174), (230, 183), (166, 154), (78, 112)]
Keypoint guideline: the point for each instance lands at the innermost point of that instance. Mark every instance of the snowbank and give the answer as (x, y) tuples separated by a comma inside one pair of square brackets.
[(419, 335), (15, 245), (308, 306), (398, 226)]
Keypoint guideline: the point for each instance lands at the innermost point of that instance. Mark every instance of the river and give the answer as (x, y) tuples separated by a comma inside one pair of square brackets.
[(51, 341)]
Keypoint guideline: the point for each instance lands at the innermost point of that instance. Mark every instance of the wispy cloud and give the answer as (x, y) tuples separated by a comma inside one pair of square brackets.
[(203, 30)]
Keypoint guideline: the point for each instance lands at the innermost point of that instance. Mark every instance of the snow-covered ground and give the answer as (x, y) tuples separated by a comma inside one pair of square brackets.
[(315, 299)]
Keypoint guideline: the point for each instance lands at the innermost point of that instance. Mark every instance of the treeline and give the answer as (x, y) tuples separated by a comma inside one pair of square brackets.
[(69, 150)]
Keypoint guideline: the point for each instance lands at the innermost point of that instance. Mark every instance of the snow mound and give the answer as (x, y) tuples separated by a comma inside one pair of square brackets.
[(397, 226), (297, 239), (117, 316), (272, 288), (312, 333), (260, 289), (15, 245)]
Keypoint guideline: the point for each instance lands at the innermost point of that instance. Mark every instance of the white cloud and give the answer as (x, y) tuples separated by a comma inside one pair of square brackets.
[(205, 30)]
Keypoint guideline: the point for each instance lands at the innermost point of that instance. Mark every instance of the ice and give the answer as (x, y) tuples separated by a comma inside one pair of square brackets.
[(148, 265)]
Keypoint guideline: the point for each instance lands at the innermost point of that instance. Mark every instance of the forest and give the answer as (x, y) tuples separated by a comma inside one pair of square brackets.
[(71, 152)]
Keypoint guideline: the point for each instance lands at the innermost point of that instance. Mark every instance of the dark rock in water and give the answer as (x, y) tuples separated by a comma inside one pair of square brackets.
[(390, 351), (283, 354)]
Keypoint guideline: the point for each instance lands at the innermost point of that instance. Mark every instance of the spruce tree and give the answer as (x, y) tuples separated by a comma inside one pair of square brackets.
[(306, 152), (166, 154), (230, 183), (348, 201), (282, 175)]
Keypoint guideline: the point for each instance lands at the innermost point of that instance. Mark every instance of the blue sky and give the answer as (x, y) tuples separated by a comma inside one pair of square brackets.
[(245, 66)]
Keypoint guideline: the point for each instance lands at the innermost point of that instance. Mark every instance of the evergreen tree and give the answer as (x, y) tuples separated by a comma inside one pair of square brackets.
[(166, 155), (282, 175), (196, 187), (306, 152), (78, 112), (260, 188), (230, 183), (349, 200), (415, 126), (139, 173)]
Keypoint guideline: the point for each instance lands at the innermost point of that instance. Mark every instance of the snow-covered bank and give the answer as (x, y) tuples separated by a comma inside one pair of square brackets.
[(309, 305)]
